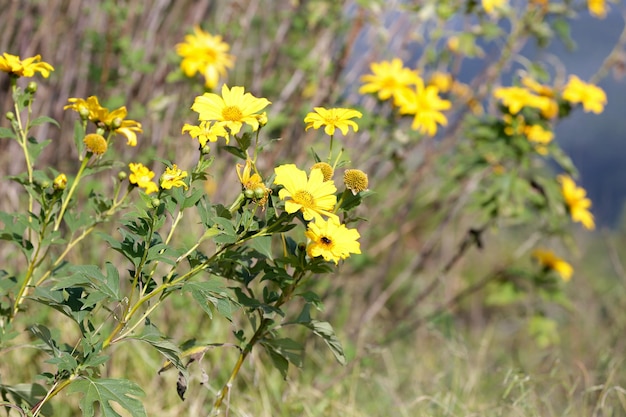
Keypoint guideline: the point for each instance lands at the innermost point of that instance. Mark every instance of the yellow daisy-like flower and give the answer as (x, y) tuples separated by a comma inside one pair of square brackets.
[(96, 144), (13, 64), (88, 109), (491, 5), (205, 54), (335, 118), (516, 98), (60, 182), (355, 180), (539, 136), (116, 122), (206, 132), (593, 98), (231, 110), (387, 78), (552, 262), (597, 8), (443, 81), (312, 196), (426, 106), (142, 177), (331, 240), (173, 177), (577, 202), (327, 170)]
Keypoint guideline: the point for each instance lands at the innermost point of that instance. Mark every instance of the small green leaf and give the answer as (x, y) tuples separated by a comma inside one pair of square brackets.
[(106, 391), (325, 331), (6, 133), (263, 245)]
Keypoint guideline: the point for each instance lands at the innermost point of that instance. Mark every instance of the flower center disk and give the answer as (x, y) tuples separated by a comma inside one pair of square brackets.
[(232, 114), (304, 198)]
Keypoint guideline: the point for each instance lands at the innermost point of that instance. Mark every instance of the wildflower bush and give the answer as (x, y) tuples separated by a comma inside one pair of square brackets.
[(258, 260)]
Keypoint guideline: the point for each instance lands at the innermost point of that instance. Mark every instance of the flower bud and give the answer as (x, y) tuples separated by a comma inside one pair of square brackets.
[(259, 192), (31, 88), (248, 193), (155, 202), (45, 184), (116, 123), (60, 182), (122, 175), (83, 112), (206, 149), (10, 116)]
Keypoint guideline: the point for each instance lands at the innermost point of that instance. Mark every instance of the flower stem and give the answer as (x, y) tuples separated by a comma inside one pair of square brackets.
[(67, 199)]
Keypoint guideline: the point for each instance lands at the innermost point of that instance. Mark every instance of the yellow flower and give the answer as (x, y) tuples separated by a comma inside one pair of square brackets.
[(314, 197), (252, 183), (205, 132), (335, 118), (142, 177), (88, 109), (327, 170), (387, 78), (96, 144), (539, 136), (491, 5), (515, 98), (206, 54), (597, 8), (331, 240), (453, 44), (26, 68), (231, 110), (173, 177), (426, 105), (552, 262), (355, 180), (535, 87), (592, 97), (442, 81), (115, 121), (577, 202), (60, 182)]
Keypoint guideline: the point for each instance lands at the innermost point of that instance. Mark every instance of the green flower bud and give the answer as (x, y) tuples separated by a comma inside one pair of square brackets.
[(259, 193), (116, 123), (155, 202), (249, 194), (206, 149), (122, 175), (10, 116), (31, 88)]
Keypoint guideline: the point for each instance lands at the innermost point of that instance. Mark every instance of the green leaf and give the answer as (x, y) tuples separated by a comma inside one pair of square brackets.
[(324, 330), (35, 148), (6, 133), (263, 245), (31, 393), (212, 294), (106, 391), (43, 119), (153, 337)]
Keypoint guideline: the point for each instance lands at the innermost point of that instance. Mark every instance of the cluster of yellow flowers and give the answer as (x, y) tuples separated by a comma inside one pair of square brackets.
[(597, 8), (392, 80)]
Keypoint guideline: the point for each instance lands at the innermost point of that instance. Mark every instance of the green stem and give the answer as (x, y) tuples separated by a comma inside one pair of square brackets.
[(67, 199), (330, 149)]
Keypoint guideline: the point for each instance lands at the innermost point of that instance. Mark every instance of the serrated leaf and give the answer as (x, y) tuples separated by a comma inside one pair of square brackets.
[(107, 391)]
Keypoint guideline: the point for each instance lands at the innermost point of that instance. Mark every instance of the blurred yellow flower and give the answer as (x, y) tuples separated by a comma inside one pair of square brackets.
[(335, 118), (13, 64), (539, 136), (597, 8), (387, 78), (331, 240), (205, 54), (516, 98), (173, 177), (577, 202), (205, 132), (60, 182), (491, 5), (87, 109), (552, 262), (442, 80), (426, 106), (142, 177), (312, 196), (593, 98), (96, 144), (231, 110)]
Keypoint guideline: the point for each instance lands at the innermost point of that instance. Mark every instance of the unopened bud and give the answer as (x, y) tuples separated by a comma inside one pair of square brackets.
[(10, 116), (116, 123), (259, 193), (155, 202), (31, 88), (248, 193), (122, 175), (83, 112), (206, 149), (60, 182)]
